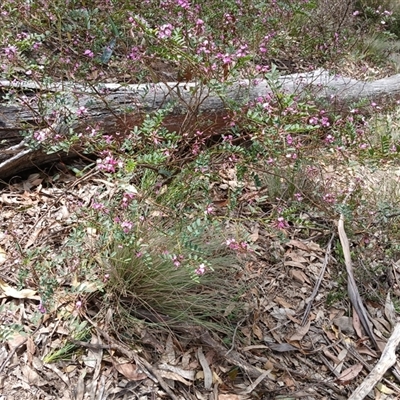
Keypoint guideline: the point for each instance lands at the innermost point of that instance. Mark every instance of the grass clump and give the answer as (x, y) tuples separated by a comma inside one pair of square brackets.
[(183, 275)]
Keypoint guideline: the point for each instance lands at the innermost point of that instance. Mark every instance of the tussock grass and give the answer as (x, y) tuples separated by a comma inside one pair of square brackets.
[(151, 288)]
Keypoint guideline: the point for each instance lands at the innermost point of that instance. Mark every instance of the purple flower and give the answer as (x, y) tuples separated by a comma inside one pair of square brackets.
[(184, 4), (41, 308), (127, 198), (243, 51), (135, 54), (177, 260), (10, 51), (126, 226), (227, 59), (97, 206), (245, 246), (88, 53), (165, 31), (108, 138), (107, 164), (325, 121)]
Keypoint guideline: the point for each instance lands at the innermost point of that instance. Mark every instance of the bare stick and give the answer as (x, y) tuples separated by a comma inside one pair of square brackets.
[(387, 360), (318, 283)]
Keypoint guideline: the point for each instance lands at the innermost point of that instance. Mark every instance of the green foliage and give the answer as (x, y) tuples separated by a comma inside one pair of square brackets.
[(79, 331)]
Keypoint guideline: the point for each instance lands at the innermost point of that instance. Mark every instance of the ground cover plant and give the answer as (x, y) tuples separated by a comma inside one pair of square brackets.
[(183, 260)]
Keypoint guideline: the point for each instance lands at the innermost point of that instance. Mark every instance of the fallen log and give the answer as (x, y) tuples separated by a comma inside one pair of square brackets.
[(117, 108)]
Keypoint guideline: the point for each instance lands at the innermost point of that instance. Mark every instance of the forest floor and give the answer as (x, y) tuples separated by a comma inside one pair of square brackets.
[(298, 339)]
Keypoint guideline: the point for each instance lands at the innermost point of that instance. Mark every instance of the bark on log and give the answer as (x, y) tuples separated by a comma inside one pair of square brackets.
[(118, 108)]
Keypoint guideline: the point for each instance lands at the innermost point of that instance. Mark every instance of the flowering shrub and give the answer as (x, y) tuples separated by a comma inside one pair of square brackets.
[(159, 232)]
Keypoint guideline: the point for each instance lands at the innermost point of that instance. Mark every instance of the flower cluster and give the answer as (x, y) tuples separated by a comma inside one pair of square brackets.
[(108, 163), (240, 247)]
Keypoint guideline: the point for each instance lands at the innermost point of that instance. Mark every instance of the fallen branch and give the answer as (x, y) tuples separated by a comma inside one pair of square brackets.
[(118, 108), (387, 360)]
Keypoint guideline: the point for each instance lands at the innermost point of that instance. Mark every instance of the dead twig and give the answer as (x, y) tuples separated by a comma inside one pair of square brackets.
[(352, 289), (387, 360), (319, 281)]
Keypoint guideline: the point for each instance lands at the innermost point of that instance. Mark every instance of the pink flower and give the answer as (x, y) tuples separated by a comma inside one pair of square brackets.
[(107, 164), (183, 3), (325, 121), (108, 138), (210, 209), (231, 242), (81, 111), (135, 54), (243, 51), (329, 139), (227, 59), (177, 260), (298, 196), (280, 223), (97, 206), (41, 135), (126, 199), (329, 198), (200, 270), (245, 246), (88, 53), (10, 51), (126, 226)]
